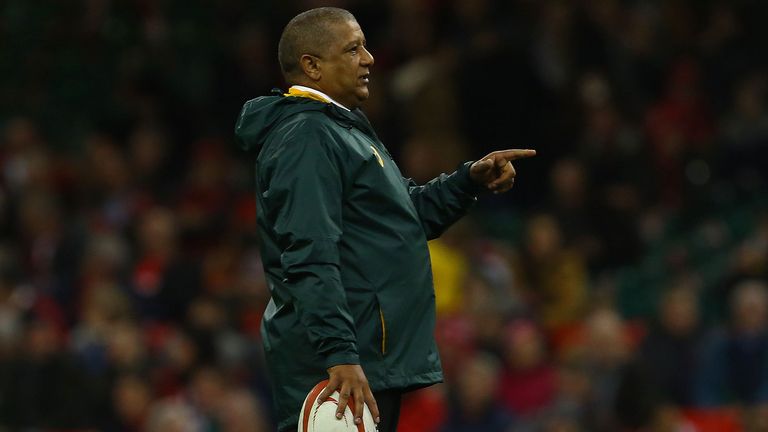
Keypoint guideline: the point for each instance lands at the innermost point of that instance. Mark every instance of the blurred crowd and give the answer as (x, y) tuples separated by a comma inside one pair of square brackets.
[(621, 286)]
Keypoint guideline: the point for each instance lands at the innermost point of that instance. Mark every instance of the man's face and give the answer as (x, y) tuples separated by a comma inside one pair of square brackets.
[(346, 65)]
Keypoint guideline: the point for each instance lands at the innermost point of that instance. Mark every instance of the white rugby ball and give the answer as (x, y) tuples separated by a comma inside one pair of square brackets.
[(316, 417)]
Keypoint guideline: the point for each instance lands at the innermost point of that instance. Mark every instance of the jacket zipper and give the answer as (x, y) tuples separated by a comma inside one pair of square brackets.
[(383, 332)]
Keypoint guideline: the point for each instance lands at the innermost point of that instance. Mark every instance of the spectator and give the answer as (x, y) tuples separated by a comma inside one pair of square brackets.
[(472, 405), (527, 382), (43, 385), (164, 280), (669, 351), (621, 395), (240, 411), (11, 314), (131, 399), (553, 277), (173, 415), (679, 128), (745, 128), (570, 205), (733, 360)]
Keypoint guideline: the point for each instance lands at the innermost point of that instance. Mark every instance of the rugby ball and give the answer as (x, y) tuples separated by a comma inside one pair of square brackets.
[(316, 417)]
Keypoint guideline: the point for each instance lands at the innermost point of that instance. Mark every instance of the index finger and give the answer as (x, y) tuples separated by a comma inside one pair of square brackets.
[(516, 154), (331, 386)]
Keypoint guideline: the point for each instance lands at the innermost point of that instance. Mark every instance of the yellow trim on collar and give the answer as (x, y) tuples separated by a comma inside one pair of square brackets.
[(305, 94)]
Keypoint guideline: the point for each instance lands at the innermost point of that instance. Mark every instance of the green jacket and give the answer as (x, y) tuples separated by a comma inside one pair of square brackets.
[(344, 246)]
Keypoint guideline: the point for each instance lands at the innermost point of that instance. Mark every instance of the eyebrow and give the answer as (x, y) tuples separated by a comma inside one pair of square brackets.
[(354, 43)]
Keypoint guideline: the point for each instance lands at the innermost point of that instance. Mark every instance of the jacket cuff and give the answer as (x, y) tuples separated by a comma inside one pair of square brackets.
[(464, 182), (346, 356)]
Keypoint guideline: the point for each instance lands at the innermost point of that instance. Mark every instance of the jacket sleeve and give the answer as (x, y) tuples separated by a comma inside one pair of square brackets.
[(443, 200), (303, 200)]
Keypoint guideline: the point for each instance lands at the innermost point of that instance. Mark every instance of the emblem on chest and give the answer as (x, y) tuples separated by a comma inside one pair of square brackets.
[(378, 156)]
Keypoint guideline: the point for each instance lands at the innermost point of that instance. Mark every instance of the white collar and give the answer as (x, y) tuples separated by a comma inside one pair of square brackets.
[(319, 93)]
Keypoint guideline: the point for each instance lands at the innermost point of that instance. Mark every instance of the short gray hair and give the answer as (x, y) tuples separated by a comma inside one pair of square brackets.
[(308, 33)]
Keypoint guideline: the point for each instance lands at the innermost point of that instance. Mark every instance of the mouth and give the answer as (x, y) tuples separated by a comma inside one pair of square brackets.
[(365, 77)]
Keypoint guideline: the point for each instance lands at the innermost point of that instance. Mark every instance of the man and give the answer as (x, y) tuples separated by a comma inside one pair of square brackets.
[(344, 236)]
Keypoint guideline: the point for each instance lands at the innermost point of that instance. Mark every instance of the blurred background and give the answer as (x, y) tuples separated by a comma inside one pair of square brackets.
[(620, 286)]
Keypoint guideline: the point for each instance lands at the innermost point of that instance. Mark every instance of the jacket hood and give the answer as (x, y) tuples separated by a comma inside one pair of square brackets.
[(259, 116)]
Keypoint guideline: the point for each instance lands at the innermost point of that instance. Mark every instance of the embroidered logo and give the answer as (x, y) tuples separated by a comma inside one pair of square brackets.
[(381, 161)]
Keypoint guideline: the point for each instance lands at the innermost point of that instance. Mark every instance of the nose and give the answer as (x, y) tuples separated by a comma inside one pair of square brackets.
[(367, 57)]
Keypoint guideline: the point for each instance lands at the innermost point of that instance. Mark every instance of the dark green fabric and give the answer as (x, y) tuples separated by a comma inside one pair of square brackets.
[(343, 242)]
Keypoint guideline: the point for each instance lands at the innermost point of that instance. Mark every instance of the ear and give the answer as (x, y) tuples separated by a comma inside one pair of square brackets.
[(311, 67)]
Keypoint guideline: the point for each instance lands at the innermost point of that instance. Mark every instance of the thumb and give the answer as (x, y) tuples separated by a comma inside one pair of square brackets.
[(484, 165), (500, 162)]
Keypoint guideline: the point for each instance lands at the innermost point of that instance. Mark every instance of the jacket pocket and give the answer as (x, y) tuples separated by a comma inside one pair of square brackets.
[(370, 321), (383, 331)]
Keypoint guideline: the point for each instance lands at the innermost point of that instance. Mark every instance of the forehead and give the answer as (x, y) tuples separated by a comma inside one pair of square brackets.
[(346, 31)]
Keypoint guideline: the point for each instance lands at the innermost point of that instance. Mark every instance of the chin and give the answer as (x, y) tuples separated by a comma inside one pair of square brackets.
[(362, 95)]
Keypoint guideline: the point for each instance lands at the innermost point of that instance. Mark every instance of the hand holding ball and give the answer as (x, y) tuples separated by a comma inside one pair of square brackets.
[(315, 417)]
